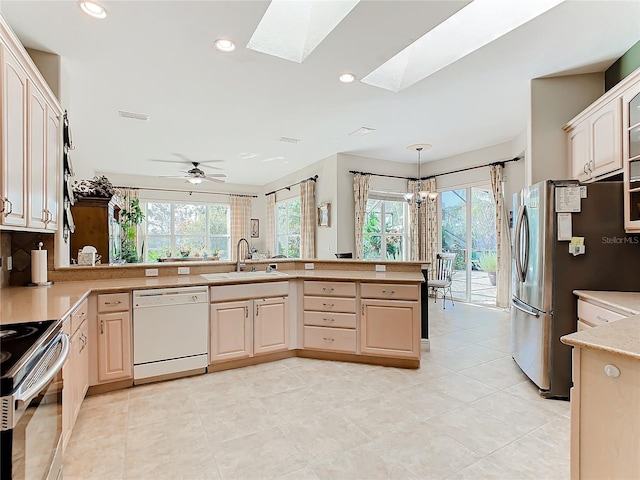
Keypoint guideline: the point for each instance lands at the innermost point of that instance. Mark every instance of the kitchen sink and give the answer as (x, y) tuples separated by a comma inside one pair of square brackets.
[(242, 275)]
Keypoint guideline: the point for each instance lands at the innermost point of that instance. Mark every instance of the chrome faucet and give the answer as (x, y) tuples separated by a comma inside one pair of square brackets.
[(240, 264)]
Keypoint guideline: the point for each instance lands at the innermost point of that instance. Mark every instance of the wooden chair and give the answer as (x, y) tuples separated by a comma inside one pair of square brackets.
[(443, 275)]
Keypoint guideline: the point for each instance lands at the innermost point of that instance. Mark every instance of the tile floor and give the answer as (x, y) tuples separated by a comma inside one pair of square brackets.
[(467, 413)]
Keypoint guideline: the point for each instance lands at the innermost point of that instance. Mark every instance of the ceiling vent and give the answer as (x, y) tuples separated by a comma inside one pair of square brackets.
[(362, 131), (288, 140), (135, 116)]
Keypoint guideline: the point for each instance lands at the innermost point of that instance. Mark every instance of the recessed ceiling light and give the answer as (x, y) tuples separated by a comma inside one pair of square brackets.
[(224, 45), (93, 9), (347, 77)]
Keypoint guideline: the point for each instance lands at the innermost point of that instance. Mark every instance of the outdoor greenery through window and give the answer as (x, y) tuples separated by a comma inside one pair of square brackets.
[(385, 236), (187, 230), (288, 228)]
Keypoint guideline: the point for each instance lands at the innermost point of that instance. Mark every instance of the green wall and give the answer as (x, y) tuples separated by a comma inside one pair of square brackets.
[(626, 64)]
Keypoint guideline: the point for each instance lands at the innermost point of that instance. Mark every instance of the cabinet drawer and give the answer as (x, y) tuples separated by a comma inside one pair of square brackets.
[(248, 290), (330, 304), (322, 319), (113, 302), (335, 339), (390, 291), (594, 315), (334, 289), (79, 315)]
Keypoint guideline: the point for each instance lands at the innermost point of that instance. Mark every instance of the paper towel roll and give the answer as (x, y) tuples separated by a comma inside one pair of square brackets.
[(39, 267)]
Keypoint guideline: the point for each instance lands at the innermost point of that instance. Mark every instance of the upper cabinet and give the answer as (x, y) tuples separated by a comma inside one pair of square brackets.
[(631, 158), (595, 143), (30, 158)]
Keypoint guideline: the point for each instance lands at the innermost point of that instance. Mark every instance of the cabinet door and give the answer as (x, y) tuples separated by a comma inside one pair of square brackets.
[(579, 151), (13, 174), (83, 361), (606, 139), (631, 159), (270, 325), (36, 154), (53, 170), (390, 328), (114, 347), (68, 389), (230, 330)]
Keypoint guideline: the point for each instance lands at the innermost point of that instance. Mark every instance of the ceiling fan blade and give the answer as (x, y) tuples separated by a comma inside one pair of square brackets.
[(183, 157), (165, 161), (209, 179), (171, 176), (211, 161), (216, 175)]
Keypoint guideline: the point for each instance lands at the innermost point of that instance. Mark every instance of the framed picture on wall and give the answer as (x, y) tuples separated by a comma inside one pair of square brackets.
[(255, 228), (324, 215)]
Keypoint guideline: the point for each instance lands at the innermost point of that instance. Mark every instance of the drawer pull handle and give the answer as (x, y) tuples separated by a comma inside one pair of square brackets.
[(612, 371), (329, 339), (602, 319), (117, 302), (330, 305), (328, 319), (327, 289), (388, 292)]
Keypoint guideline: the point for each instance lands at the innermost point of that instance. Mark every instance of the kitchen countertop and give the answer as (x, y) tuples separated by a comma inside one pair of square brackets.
[(622, 302), (29, 304), (621, 337)]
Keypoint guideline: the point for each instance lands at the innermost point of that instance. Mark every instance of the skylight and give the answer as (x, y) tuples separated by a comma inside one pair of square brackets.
[(471, 28), (292, 30)]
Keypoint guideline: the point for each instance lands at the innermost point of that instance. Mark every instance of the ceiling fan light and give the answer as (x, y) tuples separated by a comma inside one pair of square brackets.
[(194, 180), (93, 9)]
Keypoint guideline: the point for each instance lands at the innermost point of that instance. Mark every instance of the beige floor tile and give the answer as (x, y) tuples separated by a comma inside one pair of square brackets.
[(316, 370), (529, 391), (500, 373), (322, 435), (476, 430), (119, 397), (102, 457), (377, 416), (158, 407), (458, 339), (303, 474), (295, 404), (106, 420), (423, 401), (229, 392), (461, 387), (480, 352), (268, 382), (263, 455), (451, 360), (502, 344), (360, 463)]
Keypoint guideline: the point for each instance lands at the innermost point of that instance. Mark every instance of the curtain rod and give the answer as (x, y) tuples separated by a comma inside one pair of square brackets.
[(314, 178), (439, 174), (186, 191)]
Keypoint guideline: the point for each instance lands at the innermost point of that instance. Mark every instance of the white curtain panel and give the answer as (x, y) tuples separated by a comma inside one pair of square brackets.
[(503, 241), (270, 228), (240, 210), (430, 230), (360, 195), (414, 231), (308, 219)]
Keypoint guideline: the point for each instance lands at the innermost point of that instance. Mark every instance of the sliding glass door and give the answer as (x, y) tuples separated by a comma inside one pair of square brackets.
[(468, 229)]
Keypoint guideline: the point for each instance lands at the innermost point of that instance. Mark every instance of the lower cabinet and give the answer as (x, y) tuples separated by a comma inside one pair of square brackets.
[(388, 328), (75, 373), (113, 344), (249, 324)]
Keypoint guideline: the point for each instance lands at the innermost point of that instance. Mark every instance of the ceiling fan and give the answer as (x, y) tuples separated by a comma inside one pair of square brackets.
[(194, 175)]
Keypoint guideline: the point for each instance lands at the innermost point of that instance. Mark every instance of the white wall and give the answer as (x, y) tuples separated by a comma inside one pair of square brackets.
[(553, 103)]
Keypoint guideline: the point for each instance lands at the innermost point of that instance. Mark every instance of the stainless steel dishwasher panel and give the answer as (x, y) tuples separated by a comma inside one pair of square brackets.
[(170, 331)]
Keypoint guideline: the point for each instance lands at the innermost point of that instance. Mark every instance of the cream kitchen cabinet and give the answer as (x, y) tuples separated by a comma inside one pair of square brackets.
[(30, 160), (594, 140), (248, 320), (604, 415), (330, 322), (75, 372), (390, 320), (113, 338), (631, 157)]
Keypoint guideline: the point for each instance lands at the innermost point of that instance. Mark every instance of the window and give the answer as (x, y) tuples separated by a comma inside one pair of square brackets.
[(288, 228), (385, 236), (187, 230)]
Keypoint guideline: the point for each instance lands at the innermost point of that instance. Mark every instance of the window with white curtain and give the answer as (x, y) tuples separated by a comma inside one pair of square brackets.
[(288, 228), (178, 229), (385, 229)]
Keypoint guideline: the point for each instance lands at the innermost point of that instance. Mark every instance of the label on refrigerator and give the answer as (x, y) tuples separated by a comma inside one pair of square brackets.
[(564, 227), (568, 199)]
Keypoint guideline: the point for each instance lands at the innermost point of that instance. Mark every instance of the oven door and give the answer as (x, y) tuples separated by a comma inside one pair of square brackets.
[(32, 449)]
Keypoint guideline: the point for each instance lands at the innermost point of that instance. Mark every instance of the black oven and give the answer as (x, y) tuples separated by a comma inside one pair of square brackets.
[(31, 425)]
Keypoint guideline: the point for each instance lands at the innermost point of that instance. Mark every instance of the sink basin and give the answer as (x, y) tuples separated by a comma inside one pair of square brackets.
[(241, 275)]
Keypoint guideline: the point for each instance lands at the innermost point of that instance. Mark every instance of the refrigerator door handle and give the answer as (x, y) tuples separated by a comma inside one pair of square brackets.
[(525, 228), (524, 308), (522, 217)]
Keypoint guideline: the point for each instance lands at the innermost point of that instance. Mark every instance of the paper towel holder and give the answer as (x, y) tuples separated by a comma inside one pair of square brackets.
[(40, 284)]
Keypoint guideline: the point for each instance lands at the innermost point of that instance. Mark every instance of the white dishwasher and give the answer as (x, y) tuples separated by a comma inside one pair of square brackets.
[(170, 331)]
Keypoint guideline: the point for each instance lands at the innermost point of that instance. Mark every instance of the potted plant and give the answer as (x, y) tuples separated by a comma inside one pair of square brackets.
[(130, 217), (489, 264)]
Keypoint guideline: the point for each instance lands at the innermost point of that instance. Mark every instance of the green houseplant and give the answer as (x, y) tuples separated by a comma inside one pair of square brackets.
[(130, 217), (489, 263)]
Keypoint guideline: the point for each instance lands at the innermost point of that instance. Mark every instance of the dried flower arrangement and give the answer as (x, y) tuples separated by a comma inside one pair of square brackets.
[(98, 187)]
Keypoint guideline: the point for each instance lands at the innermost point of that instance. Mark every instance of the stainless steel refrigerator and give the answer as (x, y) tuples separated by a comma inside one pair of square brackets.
[(545, 272)]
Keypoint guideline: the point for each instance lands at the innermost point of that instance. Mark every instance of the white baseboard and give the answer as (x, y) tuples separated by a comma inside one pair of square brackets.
[(425, 344)]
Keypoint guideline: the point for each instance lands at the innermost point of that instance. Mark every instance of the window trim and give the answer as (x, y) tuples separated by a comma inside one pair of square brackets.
[(286, 201), (391, 197)]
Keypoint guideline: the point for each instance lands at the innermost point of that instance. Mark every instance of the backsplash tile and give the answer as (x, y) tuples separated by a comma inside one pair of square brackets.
[(5, 251), (21, 245)]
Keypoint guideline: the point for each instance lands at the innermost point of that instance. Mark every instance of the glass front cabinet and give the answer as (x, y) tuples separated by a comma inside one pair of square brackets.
[(631, 158)]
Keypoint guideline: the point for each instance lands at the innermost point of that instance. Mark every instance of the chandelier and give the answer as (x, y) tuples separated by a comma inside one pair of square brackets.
[(422, 195)]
